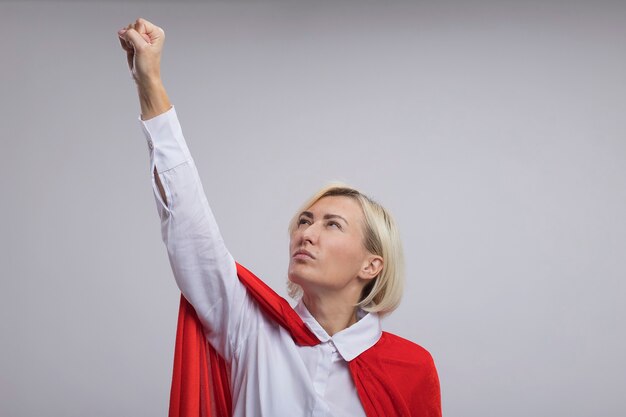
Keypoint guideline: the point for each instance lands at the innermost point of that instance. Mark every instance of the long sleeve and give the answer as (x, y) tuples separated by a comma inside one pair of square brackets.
[(203, 268)]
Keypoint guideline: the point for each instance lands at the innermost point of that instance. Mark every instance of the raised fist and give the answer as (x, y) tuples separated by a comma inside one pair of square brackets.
[(143, 43)]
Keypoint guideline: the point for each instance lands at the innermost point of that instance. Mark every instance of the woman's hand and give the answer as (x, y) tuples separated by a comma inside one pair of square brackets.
[(143, 43)]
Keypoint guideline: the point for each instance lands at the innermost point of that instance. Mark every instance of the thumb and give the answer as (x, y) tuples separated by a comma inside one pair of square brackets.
[(135, 39)]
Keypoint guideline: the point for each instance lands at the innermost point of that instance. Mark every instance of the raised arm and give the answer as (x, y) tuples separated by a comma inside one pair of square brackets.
[(143, 43), (204, 269)]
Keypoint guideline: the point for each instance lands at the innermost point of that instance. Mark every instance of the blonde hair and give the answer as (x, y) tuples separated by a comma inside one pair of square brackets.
[(383, 293)]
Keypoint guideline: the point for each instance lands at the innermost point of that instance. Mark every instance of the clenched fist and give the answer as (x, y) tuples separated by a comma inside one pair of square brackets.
[(143, 43)]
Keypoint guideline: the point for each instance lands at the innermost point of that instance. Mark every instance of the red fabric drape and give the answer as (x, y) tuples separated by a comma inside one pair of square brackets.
[(394, 378)]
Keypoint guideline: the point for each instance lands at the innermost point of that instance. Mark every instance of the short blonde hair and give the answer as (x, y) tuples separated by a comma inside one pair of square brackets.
[(383, 293)]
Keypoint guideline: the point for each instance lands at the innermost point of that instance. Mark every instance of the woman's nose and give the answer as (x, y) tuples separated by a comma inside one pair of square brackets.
[(310, 234)]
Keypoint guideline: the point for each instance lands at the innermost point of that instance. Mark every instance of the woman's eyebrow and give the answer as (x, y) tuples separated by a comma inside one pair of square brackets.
[(335, 216), (326, 216)]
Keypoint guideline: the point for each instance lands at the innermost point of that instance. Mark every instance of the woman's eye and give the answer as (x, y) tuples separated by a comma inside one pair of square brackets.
[(303, 221), (334, 224)]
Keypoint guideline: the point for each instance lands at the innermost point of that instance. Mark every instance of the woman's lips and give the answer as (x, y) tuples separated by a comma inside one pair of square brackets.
[(303, 254)]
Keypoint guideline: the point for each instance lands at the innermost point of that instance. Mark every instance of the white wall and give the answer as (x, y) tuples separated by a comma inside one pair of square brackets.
[(494, 131)]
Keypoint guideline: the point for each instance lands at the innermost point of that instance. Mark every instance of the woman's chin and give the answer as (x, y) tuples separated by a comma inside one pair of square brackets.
[(299, 274)]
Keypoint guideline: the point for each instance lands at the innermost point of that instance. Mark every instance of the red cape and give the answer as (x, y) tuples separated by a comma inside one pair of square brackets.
[(393, 378)]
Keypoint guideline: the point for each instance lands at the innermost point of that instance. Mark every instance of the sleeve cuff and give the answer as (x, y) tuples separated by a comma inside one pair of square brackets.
[(166, 143)]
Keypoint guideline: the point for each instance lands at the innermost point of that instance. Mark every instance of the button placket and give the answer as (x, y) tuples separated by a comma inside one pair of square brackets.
[(321, 378)]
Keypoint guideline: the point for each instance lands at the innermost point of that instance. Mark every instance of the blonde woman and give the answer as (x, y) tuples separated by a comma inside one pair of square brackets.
[(326, 357)]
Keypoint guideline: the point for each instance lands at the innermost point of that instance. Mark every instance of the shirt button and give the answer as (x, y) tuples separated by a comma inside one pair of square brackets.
[(150, 145)]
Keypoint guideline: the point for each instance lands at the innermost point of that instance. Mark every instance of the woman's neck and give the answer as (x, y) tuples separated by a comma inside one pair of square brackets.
[(333, 314)]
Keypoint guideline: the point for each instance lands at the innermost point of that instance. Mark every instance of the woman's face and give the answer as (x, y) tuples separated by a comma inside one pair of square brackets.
[(326, 247)]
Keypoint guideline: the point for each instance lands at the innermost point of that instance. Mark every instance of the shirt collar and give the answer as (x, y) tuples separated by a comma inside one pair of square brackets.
[(350, 342)]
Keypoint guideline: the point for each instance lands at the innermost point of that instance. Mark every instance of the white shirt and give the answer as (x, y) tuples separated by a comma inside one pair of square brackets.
[(270, 375)]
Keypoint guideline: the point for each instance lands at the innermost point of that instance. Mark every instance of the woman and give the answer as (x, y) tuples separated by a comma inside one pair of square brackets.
[(330, 356)]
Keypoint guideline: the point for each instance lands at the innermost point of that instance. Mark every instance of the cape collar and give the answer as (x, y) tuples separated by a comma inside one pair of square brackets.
[(350, 342)]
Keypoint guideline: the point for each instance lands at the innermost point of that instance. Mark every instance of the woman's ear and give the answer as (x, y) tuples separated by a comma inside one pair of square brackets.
[(372, 266)]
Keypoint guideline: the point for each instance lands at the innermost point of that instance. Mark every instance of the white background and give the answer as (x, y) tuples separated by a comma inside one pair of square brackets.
[(494, 131)]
